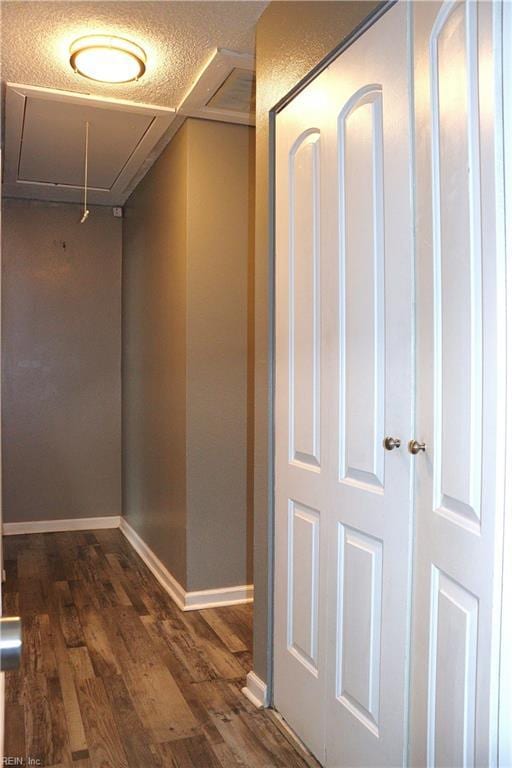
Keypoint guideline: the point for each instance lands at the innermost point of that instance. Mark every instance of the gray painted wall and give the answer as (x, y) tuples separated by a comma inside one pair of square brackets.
[(219, 244), (154, 358), (291, 38), (187, 247), (61, 361)]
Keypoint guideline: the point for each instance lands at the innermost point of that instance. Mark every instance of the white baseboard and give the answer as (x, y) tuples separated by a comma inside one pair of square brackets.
[(57, 526), (216, 598), (157, 568), (187, 601), (256, 691)]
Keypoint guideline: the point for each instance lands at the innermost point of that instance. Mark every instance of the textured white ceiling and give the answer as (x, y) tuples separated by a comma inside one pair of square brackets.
[(178, 37)]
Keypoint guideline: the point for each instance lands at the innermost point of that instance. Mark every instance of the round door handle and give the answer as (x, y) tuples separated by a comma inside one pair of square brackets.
[(415, 447), (391, 442), (10, 643)]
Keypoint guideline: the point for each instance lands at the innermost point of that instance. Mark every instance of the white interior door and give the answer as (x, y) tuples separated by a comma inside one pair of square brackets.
[(344, 383), (303, 420), (461, 410), (370, 372)]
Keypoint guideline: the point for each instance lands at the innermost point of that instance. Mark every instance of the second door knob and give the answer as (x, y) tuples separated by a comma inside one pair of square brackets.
[(415, 447)]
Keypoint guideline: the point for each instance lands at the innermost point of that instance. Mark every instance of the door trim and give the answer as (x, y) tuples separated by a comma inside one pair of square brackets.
[(356, 33), (505, 674)]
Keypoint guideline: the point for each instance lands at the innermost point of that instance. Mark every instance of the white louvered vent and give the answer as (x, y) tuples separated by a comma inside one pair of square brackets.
[(225, 90), (237, 93)]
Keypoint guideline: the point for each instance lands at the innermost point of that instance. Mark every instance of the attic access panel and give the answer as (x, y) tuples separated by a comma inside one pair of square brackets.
[(112, 137), (45, 140)]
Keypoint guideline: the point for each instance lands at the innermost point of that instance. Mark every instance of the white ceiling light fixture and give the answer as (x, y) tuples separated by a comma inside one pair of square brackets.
[(107, 59)]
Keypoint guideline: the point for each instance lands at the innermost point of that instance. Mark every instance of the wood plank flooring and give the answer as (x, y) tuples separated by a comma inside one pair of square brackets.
[(114, 675)]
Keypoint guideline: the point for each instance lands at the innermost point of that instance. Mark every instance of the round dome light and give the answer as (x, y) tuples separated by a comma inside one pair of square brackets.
[(107, 59)]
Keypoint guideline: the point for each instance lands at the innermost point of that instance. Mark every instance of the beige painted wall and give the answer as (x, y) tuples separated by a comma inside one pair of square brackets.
[(291, 38), (61, 360), (187, 247)]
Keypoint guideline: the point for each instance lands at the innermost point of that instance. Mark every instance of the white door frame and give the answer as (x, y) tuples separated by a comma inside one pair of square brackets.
[(505, 695), (505, 701), (2, 674)]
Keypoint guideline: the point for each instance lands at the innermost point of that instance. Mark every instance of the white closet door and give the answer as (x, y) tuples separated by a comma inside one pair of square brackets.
[(370, 372), (344, 383), (460, 383), (303, 424)]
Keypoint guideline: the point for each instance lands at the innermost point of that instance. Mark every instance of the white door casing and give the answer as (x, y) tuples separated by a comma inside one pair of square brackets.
[(461, 365), (505, 714)]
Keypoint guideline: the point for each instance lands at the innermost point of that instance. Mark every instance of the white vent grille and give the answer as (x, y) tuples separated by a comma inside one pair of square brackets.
[(225, 90), (237, 93)]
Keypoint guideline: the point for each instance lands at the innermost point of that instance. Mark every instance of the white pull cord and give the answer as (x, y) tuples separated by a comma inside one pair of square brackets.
[(86, 212)]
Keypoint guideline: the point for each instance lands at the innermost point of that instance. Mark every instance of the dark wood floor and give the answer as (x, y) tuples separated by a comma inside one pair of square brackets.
[(114, 674)]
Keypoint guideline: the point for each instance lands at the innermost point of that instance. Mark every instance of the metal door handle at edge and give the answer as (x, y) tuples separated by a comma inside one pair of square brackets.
[(390, 443), (415, 447), (10, 643)]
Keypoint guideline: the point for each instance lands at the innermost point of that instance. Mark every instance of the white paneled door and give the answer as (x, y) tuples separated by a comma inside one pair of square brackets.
[(461, 407), (302, 426), (390, 394), (344, 384)]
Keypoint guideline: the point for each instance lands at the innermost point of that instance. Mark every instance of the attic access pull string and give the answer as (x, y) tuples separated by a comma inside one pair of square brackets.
[(86, 170)]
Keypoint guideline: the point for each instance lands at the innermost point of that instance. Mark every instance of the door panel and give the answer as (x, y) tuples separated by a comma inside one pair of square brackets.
[(362, 308), (457, 268), (359, 613), (304, 329), (460, 384), (303, 565), (453, 646)]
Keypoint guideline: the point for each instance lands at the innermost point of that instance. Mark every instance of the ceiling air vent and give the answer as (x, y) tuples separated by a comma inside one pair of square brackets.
[(237, 93), (225, 90)]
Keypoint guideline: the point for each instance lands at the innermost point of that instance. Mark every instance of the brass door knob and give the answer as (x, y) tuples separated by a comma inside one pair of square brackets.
[(415, 447), (391, 442)]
